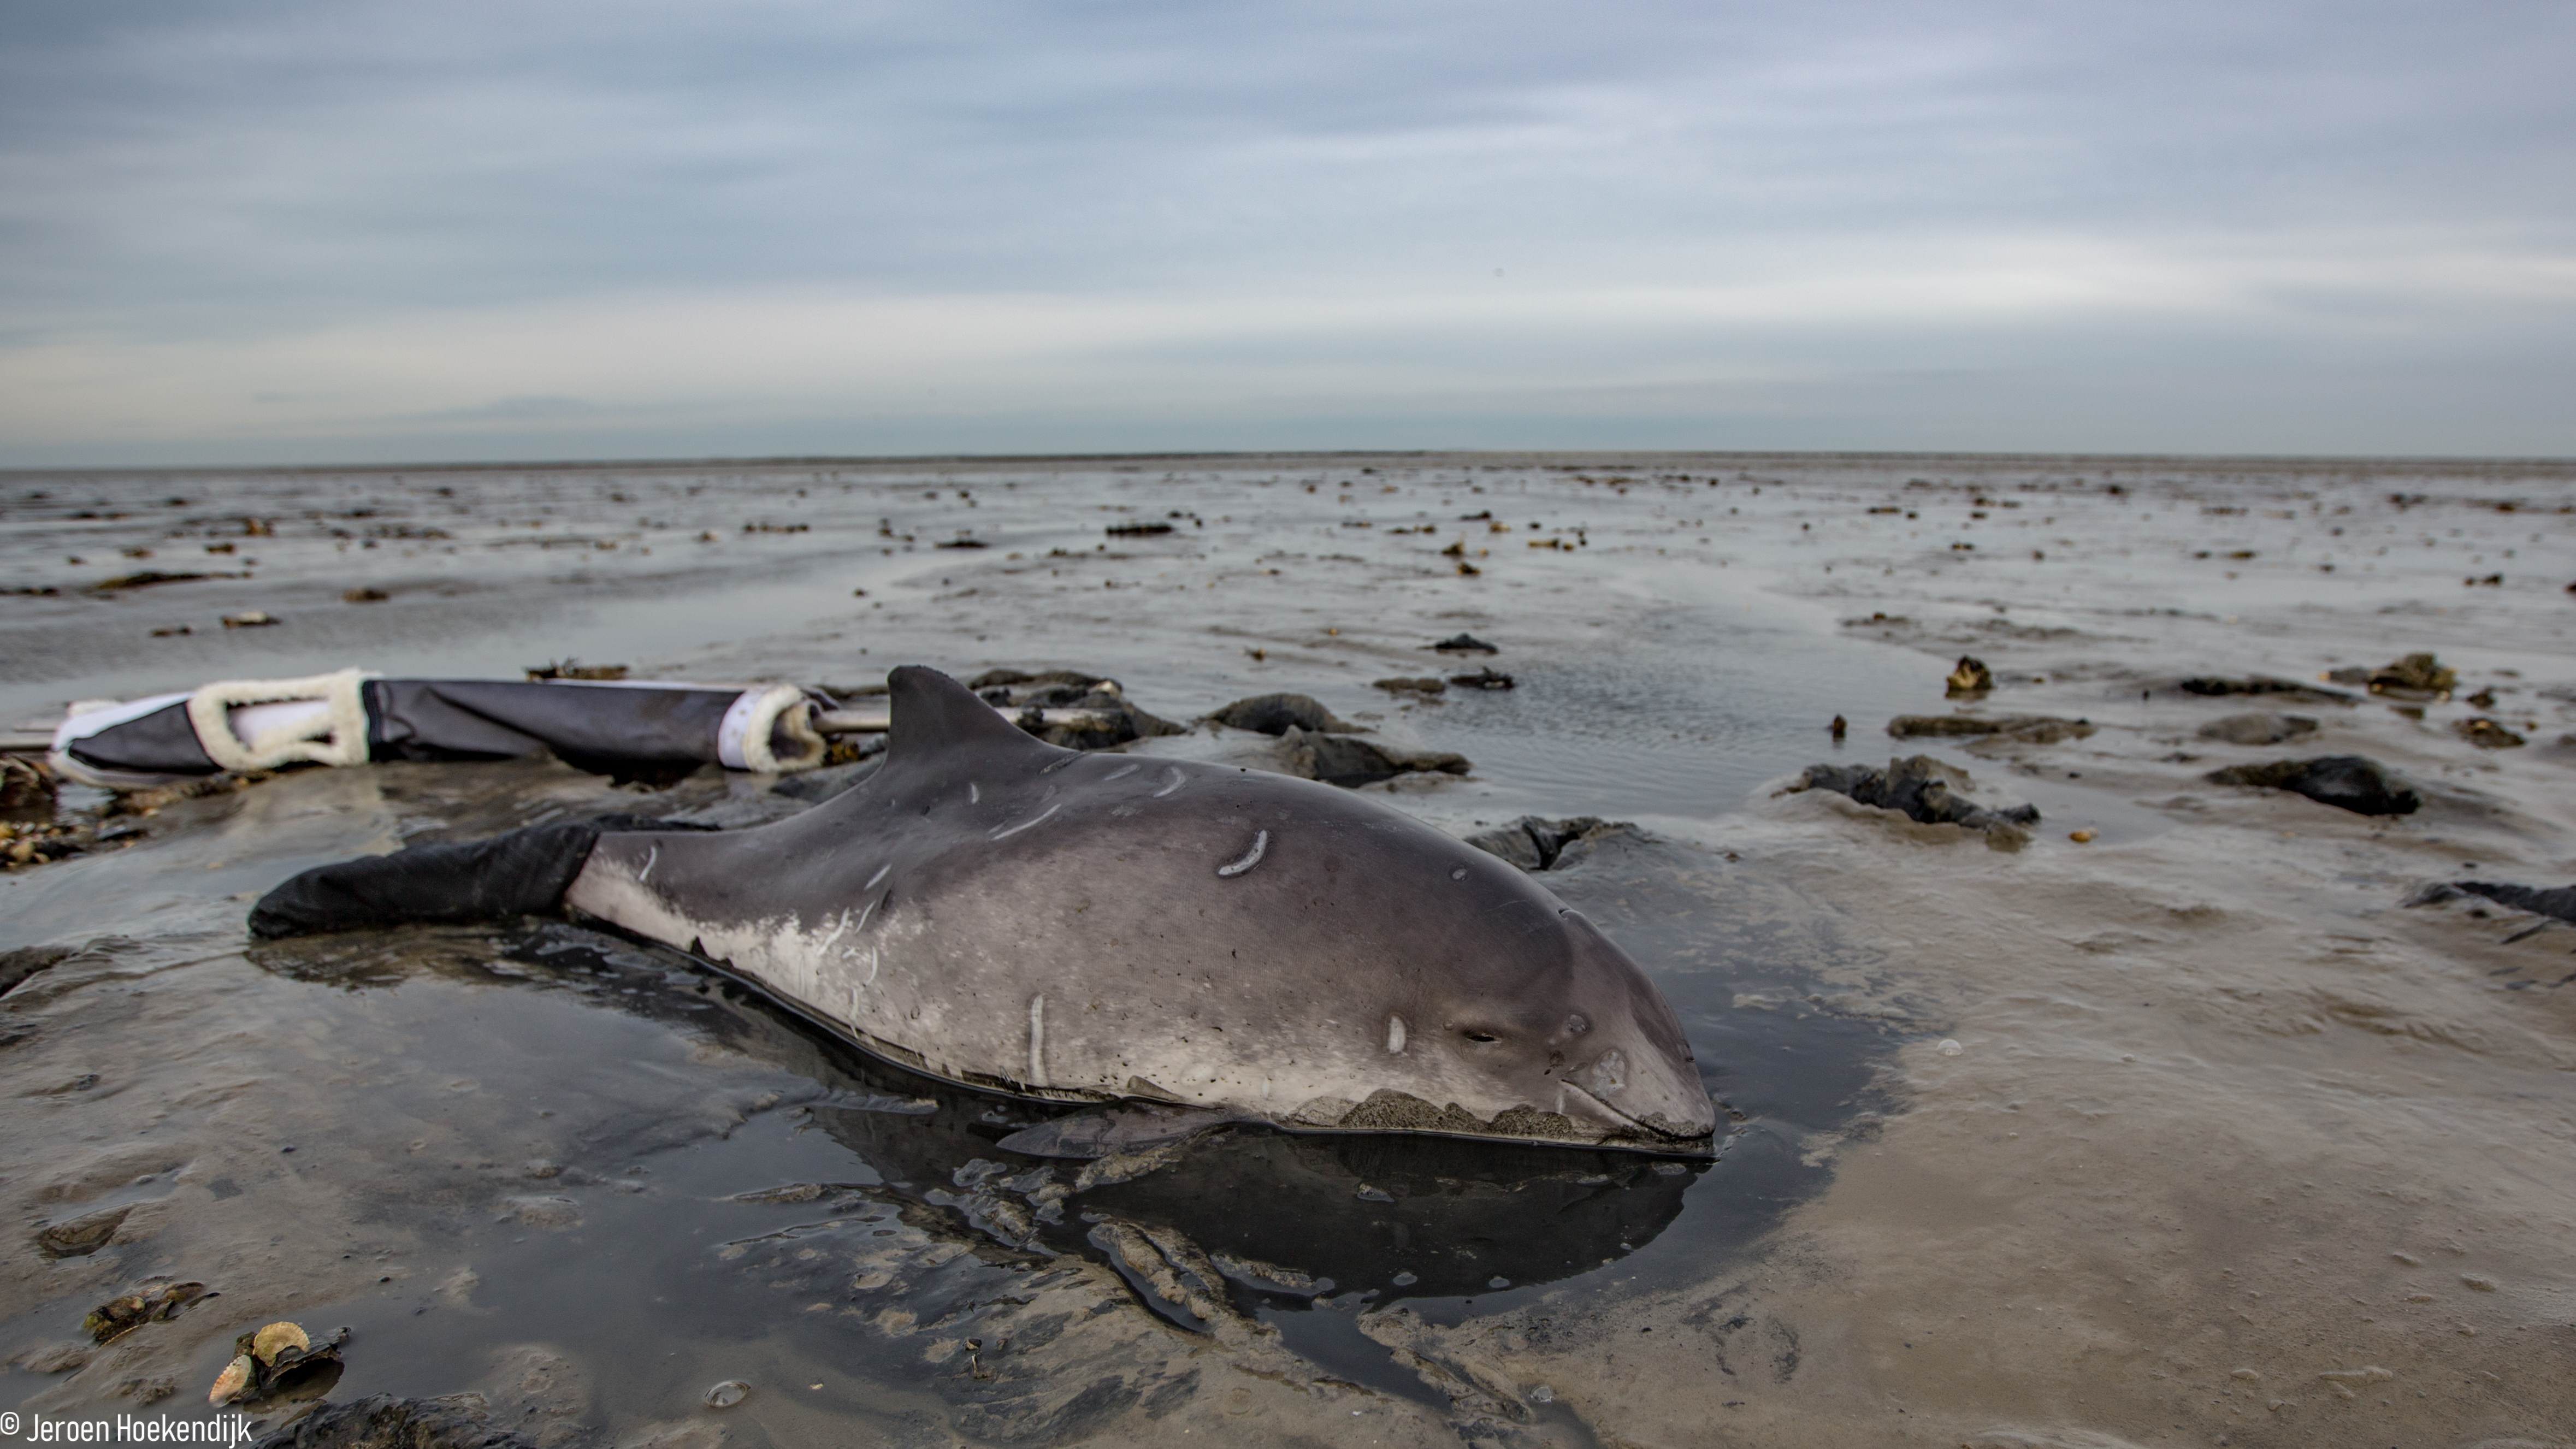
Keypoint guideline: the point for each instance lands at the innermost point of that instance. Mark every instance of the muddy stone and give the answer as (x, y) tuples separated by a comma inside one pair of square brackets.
[(1121, 722), (26, 790), (2558, 902), (2486, 734), (126, 1312), (1464, 644), (1970, 676), (81, 1236), (2035, 729), (2258, 728), (2215, 687), (1276, 714), (1485, 678), (1536, 844), (2347, 782), (2416, 674), (1350, 761), (1920, 787), (1425, 685), (26, 961)]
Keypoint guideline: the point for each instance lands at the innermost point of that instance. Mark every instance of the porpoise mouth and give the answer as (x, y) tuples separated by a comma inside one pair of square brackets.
[(1654, 1129)]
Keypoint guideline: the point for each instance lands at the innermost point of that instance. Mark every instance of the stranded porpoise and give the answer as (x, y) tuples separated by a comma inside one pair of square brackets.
[(1005, 914)]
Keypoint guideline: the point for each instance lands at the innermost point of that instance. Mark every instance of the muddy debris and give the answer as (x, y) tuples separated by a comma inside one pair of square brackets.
[(159, 1302), (836, 774), (382, 1421), (280, 1360), (39, 842), (81, 1236), (1535, 844), (2486, 734), (26, 790), (251, 619), (2210, 686), (2347, 782), (1427, 685), (1136, 530), (1120, 721), (2034, 729), (1464, 644), (27, 961), (1840, 728), (2557, 902), (1350, 762), (1486, 678), (2258, 728), (1276, 714), (147, 578), (153, 799), (575, 669), (2417, 676), (1923, 789), (364, 595), (1971, 676)]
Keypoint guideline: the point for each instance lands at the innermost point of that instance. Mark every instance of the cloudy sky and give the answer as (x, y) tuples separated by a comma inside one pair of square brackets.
[(282, 231)]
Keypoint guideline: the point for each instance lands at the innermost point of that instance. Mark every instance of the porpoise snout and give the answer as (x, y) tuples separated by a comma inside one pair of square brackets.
[(1634, 1085)]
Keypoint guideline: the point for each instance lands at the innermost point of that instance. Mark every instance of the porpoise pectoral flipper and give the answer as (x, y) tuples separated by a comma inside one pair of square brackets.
[(1009, 915)]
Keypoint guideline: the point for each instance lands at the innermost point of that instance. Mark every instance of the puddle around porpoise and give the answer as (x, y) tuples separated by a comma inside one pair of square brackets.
[(590, 1179)]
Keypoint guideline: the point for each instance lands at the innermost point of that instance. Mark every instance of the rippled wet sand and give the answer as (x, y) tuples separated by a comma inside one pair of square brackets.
[(2231, 1145)]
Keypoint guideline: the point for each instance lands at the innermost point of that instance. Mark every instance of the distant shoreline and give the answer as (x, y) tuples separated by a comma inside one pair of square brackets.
[(1514, 458)]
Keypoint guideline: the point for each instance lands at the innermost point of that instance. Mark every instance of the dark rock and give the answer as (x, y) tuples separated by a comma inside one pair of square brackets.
[(1535, 844), (2347, 782), (1463, 644), (1970, 677), (2258, 728), (1485, 678), (459, 1421), (1921, 787), (1424, 685), (1276, 714), (2556, 901), (2036, 729), (1350, 762), (1136, 530)]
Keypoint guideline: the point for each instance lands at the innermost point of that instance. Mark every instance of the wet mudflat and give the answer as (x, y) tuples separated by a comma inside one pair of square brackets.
[(2187, 1131)]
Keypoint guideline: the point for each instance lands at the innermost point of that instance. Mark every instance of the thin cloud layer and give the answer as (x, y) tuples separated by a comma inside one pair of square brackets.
[(302, 231)]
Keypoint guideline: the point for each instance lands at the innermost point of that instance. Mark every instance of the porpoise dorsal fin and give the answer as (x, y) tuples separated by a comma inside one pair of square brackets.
[(933, 712)]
